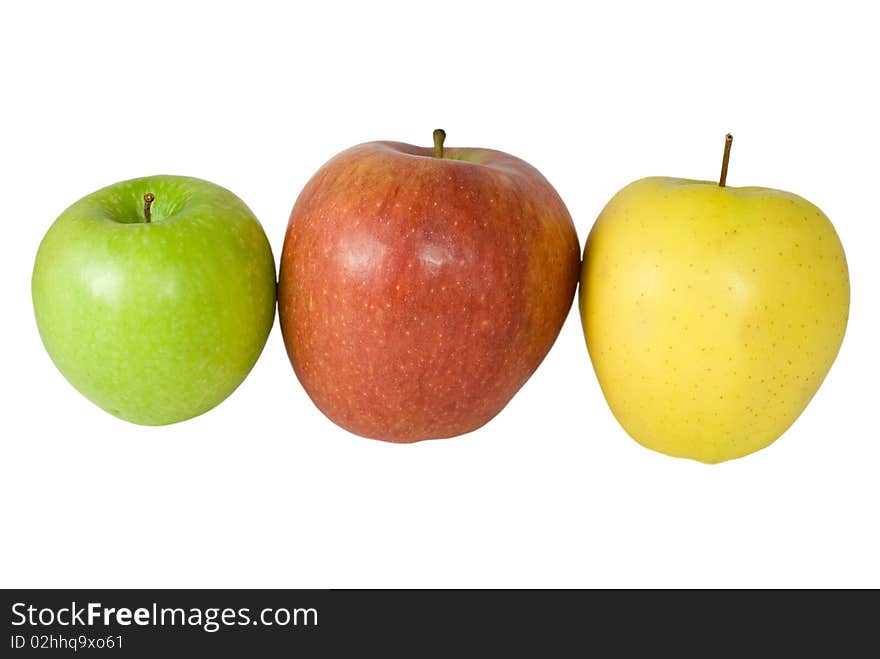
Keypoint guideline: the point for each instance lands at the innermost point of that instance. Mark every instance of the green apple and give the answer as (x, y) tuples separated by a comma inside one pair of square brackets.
[(712, 314), (154, 296)]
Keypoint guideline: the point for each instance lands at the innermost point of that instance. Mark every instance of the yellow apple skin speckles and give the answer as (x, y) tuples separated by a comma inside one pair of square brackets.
[(711, 314)]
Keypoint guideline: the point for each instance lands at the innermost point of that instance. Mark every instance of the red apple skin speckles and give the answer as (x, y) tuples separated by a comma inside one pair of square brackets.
[(417, 294)]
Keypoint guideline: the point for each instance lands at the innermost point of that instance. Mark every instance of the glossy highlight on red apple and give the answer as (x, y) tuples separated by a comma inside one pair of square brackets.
[(419, 289)]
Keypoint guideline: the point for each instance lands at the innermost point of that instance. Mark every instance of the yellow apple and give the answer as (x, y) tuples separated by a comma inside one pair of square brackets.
[(711, 314)]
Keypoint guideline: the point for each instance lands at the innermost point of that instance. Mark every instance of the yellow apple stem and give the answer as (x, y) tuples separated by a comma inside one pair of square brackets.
[(728, 141), (439, 137), (148, 201)]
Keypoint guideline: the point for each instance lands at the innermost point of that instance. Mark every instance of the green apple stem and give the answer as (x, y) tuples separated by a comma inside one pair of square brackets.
[(148, 201), (439, 137), (728, 141)]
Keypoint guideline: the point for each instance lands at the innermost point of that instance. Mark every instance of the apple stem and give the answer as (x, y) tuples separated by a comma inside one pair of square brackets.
[(148, 201), (439, 137), (728, 141)]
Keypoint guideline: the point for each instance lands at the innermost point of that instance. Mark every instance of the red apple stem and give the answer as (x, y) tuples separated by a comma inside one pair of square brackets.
[(728, 141), (148, 201), (439, 137)]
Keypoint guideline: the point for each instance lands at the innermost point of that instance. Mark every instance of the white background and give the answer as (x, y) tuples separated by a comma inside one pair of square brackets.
[(263, 491)]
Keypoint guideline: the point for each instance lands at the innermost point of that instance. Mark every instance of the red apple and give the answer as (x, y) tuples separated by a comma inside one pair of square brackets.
[(420, 289)]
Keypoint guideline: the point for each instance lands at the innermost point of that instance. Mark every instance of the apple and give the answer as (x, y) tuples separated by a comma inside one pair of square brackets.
[(154, 296), (712, 314), (419, 289)]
